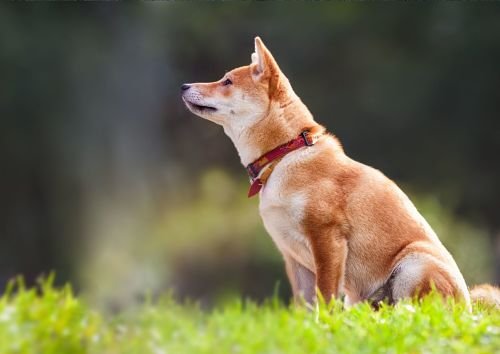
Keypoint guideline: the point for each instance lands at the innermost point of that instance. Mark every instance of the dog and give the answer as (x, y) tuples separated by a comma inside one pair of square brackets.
[(342, 227)]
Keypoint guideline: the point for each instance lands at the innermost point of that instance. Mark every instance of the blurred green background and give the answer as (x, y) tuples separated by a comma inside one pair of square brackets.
[(108, 180)]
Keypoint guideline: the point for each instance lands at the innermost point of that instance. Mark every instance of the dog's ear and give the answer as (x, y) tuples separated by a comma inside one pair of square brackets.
[(263, 59), (264, 65)]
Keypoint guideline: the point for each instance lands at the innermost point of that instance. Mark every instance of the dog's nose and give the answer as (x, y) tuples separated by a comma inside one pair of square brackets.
[(184, 87)]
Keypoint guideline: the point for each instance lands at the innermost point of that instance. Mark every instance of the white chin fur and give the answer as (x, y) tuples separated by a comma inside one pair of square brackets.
[(199, 109)]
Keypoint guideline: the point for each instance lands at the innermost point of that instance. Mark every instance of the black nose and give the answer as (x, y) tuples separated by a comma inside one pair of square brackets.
[(185, 87)]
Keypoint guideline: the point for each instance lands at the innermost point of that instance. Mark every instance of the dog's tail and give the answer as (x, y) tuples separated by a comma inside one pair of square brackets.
[(486, 294)]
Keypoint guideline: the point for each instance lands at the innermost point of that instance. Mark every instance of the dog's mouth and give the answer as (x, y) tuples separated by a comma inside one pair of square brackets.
[(199, 108)]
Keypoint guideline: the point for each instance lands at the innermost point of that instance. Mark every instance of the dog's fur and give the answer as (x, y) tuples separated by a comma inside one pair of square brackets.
[(342, 227)]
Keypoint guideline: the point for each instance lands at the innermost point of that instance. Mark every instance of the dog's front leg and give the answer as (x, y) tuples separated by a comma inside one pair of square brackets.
[(301, 279), (330, 253)]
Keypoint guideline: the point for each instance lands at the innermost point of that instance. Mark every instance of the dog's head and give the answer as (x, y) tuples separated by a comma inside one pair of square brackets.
[(242, 96)]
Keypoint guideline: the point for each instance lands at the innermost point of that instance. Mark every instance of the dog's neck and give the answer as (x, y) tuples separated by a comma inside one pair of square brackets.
[(284, 120)]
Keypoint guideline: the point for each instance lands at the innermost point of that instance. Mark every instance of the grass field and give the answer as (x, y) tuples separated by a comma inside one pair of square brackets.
[(54, 321)]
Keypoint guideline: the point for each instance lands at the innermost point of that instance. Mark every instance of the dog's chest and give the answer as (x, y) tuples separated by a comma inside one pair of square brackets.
[(282, 219)]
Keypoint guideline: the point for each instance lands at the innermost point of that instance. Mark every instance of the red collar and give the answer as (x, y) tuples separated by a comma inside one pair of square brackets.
[(306, 138)]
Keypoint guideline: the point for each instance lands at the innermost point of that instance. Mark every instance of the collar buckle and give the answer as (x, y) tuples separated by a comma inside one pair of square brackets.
[(251, 171), (308, 139)]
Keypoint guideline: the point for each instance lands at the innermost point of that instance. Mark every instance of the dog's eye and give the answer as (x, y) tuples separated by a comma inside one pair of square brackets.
[(227, 82)]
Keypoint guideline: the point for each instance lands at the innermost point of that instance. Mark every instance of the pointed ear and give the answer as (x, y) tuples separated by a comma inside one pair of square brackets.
[(265, 65)]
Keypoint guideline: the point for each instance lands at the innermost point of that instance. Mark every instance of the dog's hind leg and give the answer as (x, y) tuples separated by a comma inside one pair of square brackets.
[(418, 273)]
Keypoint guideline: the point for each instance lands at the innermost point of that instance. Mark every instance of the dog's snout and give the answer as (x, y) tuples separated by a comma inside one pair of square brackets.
[(184, 87)]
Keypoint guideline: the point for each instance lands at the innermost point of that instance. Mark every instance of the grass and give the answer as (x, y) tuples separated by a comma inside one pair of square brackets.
[(53, 321)]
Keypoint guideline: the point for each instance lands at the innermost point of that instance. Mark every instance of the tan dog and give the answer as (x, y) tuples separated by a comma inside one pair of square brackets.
[(342, 227)]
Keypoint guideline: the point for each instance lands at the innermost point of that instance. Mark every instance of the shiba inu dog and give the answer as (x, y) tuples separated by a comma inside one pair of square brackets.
[(341, 226)]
